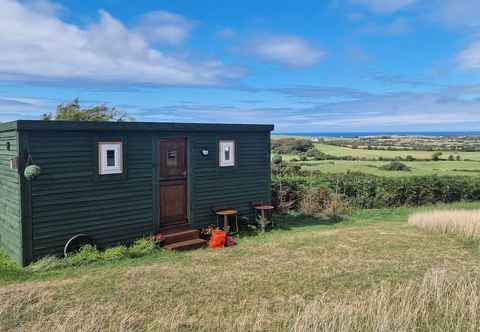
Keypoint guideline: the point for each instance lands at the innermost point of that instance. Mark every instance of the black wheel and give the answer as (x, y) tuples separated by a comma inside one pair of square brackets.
[(76, 242)]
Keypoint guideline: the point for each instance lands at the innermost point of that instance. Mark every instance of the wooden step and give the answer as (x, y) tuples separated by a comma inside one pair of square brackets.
[(180, 236), (186, 245), (174, 228)]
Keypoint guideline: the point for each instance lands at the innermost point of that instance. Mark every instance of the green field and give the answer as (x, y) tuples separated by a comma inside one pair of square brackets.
[(417, 168), (469, 165), (370, 272), (343, 151)]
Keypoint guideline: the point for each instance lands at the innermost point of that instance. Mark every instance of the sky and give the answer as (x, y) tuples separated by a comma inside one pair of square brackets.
[(304, 66)]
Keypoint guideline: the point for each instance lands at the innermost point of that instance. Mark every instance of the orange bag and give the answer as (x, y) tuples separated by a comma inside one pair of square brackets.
[(217, 240)]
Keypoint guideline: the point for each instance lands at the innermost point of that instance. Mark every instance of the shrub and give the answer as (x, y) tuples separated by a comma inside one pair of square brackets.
[(276, 159), (369, 191), (285, 194), (395, 166), (316, 154), (436, 156), (314, 200), (141, 248), (86, 254), (337, 207), (291, 145), (114, 253)]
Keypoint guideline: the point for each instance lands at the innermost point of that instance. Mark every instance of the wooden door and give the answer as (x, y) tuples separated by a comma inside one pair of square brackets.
[(172, 174)]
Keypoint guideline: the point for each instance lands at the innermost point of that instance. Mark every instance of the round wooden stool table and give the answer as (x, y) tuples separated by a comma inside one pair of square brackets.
[(227, 213), (263, 209)]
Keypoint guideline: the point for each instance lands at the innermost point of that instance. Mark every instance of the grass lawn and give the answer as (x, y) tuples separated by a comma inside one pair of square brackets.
[(344, 151), (307, 270), (417, 168)]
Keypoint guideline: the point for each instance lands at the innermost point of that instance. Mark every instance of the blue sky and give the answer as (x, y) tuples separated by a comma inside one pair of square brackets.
[(332, 65)]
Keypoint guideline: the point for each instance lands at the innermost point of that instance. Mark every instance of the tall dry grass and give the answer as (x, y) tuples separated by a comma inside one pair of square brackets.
[(465, 223), (439, 302)]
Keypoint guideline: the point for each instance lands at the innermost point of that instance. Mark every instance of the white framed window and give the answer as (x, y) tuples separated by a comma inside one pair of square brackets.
[(227, 153), (110, 158)]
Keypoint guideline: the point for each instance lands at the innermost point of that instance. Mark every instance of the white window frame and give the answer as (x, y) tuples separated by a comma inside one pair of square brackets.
[(103, 168), (222, 145)]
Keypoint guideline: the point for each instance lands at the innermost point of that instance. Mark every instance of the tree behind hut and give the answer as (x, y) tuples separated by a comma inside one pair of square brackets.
[(74, 112)]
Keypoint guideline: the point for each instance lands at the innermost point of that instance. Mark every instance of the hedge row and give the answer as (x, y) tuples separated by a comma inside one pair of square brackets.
[(369, 191)]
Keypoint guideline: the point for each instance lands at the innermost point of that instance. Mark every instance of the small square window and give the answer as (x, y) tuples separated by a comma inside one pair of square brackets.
[(172, 157), (110, 158), (227, 153)]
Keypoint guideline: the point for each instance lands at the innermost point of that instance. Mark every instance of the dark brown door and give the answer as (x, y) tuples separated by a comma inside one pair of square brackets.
[(172, 173)]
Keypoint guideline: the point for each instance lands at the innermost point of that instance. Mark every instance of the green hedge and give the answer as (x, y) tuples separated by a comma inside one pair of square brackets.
[(369, 191)]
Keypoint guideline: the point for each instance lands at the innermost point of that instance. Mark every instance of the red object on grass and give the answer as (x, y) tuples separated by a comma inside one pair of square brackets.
[(217, 240), (229, 241)]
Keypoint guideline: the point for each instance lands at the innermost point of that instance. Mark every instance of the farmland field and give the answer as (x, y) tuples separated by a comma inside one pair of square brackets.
[(417, 168), (370, 272), (342, 159), (344, 151)]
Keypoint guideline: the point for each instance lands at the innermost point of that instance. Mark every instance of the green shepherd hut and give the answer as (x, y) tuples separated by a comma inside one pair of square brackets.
[(115, 182)]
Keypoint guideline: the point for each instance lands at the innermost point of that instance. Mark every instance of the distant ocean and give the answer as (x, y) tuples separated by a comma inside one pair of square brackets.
[(393, 133)]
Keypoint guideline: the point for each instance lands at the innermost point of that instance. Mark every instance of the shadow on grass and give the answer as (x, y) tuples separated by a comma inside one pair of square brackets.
[(288, 221)]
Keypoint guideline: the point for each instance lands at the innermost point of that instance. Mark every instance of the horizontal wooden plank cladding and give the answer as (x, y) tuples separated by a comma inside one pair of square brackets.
[(8, 126), (139, 126), (10, 205), (236, 187), (71, 198)]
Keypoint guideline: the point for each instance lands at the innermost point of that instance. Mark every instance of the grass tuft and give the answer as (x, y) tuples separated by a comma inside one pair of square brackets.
[(464, 223), (141, 248), (115, 253)]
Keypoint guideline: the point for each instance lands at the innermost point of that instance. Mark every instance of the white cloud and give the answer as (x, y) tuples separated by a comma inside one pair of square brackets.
[(469, 59), (453, 108), (457, 13), (37, 45), (164, 27), (461, 15), (289, 50), (13, 108), (385, 6), (45, 7)]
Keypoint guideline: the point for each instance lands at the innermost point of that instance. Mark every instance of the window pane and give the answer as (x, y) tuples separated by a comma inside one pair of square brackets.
[(110, 158), (172, 157), (227, 153)]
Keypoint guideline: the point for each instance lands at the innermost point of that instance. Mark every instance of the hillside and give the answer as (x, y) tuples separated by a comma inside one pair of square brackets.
[(308, 274)]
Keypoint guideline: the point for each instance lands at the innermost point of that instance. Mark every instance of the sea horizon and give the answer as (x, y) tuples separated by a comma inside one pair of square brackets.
[(380, 133)]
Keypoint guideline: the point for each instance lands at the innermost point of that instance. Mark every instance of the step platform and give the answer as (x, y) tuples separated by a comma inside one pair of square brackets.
[(182, 238)]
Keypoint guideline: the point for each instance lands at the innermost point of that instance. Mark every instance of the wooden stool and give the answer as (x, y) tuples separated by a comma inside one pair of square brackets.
[(226, 213), (263, 208)]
